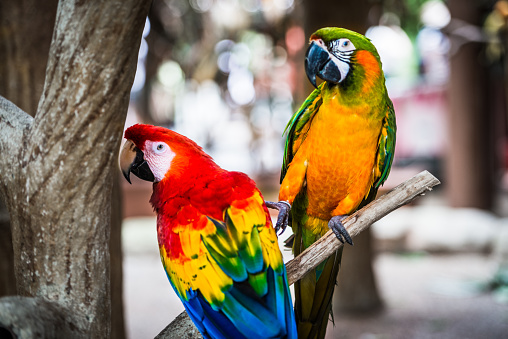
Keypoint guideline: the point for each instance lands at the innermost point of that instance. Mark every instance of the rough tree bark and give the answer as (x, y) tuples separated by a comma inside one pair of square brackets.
[(25, 29), (57, 171), (116, 260)]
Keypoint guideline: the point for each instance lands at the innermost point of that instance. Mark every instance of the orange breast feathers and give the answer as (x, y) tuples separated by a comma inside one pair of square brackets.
[(336, 160)]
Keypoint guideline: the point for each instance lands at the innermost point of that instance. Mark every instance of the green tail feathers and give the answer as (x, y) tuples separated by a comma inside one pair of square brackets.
[(314, 292)]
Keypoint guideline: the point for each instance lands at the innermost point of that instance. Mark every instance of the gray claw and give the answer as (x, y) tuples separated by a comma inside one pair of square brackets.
[(335, 224), (283, 219)]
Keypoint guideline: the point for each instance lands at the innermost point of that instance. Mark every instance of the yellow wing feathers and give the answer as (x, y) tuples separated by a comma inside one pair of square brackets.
[(239, 248)]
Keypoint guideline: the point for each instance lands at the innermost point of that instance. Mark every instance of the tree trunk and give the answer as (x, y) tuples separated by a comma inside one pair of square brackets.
[(57, 171), (471, 150), (7, 281), (356, 291), (116, 256), (27, 28), (356, 277)]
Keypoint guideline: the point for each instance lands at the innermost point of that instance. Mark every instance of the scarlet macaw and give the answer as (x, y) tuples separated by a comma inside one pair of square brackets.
[(216, 240)]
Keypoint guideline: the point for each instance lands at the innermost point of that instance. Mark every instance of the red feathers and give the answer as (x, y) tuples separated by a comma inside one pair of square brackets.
[(180, 144), (193, 188), (197, 194)]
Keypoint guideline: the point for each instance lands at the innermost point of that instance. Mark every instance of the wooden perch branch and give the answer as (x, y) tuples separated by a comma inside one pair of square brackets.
[(359, 221), (328, 244)]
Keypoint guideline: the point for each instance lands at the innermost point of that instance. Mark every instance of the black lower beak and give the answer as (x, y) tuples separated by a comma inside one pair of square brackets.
[(319, 63), (139, 167)]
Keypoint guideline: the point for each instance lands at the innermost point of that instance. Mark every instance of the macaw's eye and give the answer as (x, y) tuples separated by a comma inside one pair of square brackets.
[(344, 45), (159, 147)]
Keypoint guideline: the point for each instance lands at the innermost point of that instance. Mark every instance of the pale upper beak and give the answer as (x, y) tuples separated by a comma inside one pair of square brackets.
[(132, 160)]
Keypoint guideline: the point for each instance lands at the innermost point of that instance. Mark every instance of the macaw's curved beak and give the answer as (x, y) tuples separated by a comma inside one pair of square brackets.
[(131, 160), (318, 62)]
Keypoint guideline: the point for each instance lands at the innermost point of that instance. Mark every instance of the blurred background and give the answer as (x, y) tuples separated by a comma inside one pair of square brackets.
[(229, 74)]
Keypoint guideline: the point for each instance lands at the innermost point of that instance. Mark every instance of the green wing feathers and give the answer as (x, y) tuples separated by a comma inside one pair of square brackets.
[(297, 128), (386, 146), (224, 252), (244, 245)]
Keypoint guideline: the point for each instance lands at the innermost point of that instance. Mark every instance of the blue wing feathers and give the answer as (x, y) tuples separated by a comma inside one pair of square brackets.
[(244, 314), (250, 317), (280, 297), (195, 312), (224, 326), (210, 323), (258, 303), (288, 308)]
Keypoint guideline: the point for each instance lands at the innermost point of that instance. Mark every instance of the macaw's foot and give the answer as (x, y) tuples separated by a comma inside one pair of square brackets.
[(282, 220), (335, 224)]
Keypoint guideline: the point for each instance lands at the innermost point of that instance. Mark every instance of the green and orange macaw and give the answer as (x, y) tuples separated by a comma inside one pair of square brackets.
[(338, 152), (216, 240)]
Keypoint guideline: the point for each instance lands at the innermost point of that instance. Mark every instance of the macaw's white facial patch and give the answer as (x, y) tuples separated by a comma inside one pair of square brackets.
[(159, 156), (341, 51), (342, 45)]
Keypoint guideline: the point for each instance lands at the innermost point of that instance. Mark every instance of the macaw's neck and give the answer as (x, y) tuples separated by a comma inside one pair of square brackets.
[(184, 174)]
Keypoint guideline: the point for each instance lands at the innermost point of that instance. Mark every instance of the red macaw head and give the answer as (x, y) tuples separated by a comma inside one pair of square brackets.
[(152, 152)]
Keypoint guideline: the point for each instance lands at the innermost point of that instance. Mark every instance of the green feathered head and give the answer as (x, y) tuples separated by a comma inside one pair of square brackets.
[(334, 52)]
